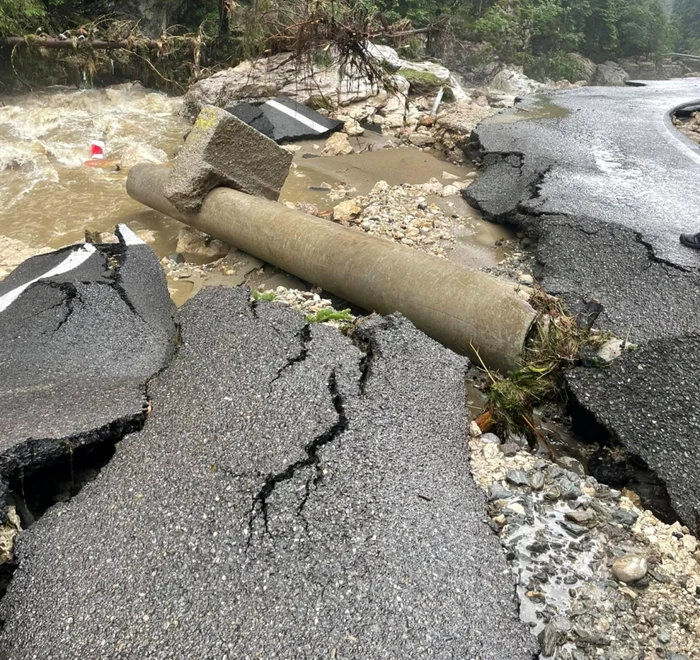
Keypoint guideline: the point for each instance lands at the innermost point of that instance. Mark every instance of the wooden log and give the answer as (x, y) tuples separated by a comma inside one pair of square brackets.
[(100, 44), (485, 421), (70, 44)]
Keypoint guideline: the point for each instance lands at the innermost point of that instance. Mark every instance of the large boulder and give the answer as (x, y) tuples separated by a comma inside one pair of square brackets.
[(222, 150), (337, 144), (610, 74), (586, 67), (391, 60), (512, 80)]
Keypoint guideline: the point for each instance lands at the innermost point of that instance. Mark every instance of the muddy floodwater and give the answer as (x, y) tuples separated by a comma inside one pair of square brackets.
[(541, 108), (49, 197)]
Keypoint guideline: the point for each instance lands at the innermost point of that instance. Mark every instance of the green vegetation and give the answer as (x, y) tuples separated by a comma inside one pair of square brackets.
[(16, 16), (267, 296), (557, 346), (540, 35), (324, 315), (686, 23), (421, 82)]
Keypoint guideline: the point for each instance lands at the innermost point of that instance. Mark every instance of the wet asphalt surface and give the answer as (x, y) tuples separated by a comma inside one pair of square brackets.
[(76, 351), (611, 153), (291, 496), (604, 183)]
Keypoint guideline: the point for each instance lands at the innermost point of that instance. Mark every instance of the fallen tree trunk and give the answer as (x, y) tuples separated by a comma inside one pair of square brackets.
[(99, 44)]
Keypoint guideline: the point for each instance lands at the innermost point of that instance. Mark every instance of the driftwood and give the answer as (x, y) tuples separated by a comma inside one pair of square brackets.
[(47, 42), (485, 422), (100, 44)]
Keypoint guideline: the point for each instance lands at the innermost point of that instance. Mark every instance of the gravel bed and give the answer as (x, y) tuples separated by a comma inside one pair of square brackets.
[(597, 576)]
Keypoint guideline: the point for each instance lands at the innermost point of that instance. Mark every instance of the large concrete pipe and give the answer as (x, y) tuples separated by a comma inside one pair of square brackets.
[(456, 306)]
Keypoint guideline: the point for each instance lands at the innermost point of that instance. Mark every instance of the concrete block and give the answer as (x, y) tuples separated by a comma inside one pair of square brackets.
[(221, 150)]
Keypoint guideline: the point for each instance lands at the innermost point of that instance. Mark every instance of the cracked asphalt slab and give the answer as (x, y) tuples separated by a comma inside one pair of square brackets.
[(581, 259), (647, 388), (77, 345), (289, 496), (605, 184), (610, 153)]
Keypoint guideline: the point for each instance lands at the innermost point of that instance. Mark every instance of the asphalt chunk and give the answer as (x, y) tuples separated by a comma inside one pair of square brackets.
[(82, 330), (277, 507), (653, 413)]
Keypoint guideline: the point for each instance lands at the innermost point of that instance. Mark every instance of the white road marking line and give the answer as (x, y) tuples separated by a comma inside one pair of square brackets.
[(128, 236), (73, 260), (319, 128)]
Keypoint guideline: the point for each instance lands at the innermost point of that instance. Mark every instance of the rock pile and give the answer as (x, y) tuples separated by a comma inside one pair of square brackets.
[(597, 575), (351, 94), (310, 303), (689, 127), (403, 214), (402, 100), (455, 124)]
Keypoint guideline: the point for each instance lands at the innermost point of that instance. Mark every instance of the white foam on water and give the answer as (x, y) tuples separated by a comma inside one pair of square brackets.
[(46, 191)]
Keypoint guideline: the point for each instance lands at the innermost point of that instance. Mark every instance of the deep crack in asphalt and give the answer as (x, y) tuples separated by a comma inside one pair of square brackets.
[(604, 201), (312, 458)]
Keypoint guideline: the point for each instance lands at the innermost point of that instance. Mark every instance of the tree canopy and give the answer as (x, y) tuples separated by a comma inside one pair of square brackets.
[(541, 35), (686, 18)]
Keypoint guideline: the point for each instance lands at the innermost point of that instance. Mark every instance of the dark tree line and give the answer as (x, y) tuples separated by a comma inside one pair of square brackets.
[(540, 34), (686, 15)]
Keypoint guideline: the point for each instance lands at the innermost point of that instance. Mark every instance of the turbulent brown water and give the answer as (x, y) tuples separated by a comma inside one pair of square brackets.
[(48, 197)]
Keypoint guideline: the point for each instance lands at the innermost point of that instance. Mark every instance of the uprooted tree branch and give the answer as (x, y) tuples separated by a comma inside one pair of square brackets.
[(117, 50)]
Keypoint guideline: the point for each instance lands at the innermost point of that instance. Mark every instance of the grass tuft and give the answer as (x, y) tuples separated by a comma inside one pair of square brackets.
[(324, 315), (555, 347), (267, 296)]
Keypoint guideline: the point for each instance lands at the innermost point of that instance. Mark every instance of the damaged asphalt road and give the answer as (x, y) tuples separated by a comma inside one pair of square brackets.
[(289, 496), (80, 335), (605, 184)]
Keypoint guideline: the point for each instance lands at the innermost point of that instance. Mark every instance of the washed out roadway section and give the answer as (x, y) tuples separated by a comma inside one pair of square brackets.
[(290, 496), (604, 183), (76, 351), (611, 153)]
